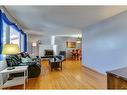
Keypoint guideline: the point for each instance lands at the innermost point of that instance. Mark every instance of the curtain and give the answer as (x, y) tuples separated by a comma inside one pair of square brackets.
[(1, 36), (25, 42), (8, 22)]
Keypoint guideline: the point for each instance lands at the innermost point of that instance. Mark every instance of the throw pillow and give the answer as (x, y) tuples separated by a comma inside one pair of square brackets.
[(25, 60), (10, 60), (16, 59)]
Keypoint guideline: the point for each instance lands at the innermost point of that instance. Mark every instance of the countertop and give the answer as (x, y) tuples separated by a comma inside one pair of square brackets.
[(121, 73)]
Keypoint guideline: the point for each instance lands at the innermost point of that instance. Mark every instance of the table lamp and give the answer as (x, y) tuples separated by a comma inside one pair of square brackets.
[(11, 49)]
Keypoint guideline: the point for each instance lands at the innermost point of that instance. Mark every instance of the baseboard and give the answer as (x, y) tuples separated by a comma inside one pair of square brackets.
[(91, 69)]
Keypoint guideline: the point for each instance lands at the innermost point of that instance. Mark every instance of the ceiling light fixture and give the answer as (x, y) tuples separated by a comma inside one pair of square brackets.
[(79, 39)]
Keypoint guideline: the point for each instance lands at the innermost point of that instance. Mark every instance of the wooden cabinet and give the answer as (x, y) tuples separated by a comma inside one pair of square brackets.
[(117, 79)]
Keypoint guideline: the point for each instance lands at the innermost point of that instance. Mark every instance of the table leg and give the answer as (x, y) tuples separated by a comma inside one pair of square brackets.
[(27, 75), (61, 65), (1, 81), (24, 80), (51, 67)]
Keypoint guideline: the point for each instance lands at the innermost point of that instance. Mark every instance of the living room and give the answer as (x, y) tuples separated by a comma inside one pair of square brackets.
[(62, 47), (35, 44)]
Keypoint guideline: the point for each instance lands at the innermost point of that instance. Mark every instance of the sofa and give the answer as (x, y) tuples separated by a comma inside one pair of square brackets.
[(34, 66)]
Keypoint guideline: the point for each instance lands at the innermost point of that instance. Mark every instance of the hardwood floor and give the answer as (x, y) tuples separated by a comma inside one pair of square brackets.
[(73, 76)]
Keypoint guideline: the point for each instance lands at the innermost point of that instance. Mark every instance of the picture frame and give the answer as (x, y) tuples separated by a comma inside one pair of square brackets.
[(71, 44)]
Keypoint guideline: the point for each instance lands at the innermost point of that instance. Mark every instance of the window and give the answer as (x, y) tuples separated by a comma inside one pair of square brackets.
[(4, 32), (14, 36), (22, 42), (17, 38)]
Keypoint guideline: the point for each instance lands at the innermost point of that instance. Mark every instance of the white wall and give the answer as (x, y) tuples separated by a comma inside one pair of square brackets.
[(105, 44), (45, 40), (31, 39), (42, 49), (60, 42)]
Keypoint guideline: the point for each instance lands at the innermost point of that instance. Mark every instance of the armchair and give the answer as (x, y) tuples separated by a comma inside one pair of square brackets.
[(62, 55)]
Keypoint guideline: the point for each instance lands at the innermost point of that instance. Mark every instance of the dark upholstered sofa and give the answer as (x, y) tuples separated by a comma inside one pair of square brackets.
[(34, 67)]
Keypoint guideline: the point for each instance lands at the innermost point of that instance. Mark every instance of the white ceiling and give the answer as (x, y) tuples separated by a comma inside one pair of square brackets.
[(60, 20)]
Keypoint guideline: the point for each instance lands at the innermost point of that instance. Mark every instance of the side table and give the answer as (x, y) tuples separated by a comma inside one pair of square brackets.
[(16, 80)]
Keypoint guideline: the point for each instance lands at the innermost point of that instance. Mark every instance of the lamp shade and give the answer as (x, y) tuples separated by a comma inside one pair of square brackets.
[(34, 44), (11, 49)]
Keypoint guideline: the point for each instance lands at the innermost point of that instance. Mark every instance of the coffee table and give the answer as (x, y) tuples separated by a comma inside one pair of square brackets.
[(55, 63)]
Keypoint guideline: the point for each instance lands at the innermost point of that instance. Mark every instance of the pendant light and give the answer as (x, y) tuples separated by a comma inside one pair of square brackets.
[(79, 39)]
